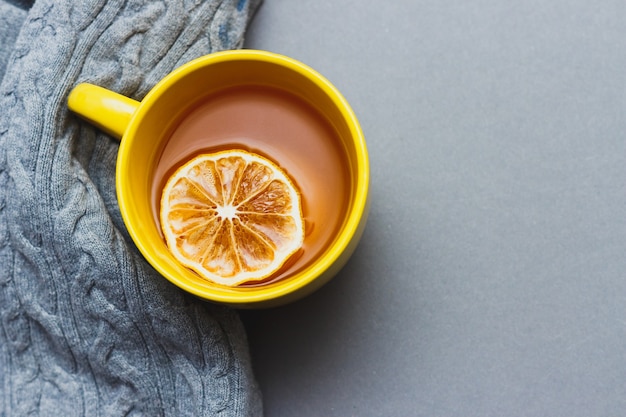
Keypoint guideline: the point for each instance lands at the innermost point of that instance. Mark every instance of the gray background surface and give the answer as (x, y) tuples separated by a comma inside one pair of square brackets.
[(490, 280)]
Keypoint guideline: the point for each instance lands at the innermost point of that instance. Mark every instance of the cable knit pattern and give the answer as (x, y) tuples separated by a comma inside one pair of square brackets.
[(88, 327)]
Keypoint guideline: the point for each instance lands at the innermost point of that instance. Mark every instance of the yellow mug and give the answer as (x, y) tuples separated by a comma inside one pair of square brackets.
[(141, 127)]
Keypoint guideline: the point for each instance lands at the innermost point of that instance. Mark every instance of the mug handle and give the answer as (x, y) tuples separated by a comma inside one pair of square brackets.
[(104, 108)]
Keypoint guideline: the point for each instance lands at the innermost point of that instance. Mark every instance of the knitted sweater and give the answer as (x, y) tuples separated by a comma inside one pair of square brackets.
[(87, 327)]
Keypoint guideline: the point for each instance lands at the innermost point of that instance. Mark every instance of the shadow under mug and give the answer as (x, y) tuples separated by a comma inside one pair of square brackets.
[(141, 126)]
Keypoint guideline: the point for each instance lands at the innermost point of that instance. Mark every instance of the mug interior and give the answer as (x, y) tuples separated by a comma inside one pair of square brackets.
[(161, 111)]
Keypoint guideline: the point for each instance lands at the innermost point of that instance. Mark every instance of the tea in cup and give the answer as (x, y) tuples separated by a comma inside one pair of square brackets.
[(259, 103)]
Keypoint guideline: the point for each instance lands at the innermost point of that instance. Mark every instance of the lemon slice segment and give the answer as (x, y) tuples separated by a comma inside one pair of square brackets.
[(231, 216)]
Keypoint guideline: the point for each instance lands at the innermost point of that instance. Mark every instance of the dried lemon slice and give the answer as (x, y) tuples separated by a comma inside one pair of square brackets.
[(231, 216)]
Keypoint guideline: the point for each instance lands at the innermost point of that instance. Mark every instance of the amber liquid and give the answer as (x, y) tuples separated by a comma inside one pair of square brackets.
[(283, 128)]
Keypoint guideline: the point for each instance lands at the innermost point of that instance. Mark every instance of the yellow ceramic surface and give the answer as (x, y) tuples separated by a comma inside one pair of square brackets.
[(144, 126)]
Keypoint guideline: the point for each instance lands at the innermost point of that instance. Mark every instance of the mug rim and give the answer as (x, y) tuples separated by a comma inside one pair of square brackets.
[(357, 211)]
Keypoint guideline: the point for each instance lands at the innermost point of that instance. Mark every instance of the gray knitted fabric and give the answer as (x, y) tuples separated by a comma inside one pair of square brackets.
[(88, 328), (11, 19)]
